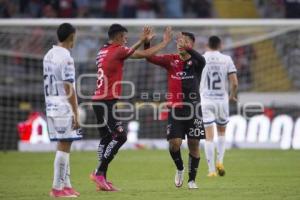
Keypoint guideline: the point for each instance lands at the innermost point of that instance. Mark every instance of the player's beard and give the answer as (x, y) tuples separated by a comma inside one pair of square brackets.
[(182, 53)]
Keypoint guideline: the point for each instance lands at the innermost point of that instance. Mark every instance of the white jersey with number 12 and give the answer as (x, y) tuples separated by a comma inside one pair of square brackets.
[(214, 80)]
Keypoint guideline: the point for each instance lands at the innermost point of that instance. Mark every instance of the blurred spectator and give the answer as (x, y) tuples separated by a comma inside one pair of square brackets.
[(136, 8), (146, 9), (110, 8), (66, 8), (172, 8), (49, 11), (202, 8), (8, 8), (82, 8), (31, 8), (197, 9), (242, 58), (292, 8), (128, 8), (271, 8)]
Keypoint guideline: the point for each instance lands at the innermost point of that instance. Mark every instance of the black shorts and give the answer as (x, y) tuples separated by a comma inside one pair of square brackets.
[(107, 122), (181, 122)]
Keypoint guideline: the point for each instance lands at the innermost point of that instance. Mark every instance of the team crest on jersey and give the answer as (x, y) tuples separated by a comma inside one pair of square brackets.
[(181, 74), (175, 63)]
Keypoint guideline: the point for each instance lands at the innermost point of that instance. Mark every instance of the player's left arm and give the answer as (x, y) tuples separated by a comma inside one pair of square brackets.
[(72, 99), (68, 77), (147, 52)]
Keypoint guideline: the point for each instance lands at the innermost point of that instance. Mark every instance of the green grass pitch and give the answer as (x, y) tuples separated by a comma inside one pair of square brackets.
[(149, 174)]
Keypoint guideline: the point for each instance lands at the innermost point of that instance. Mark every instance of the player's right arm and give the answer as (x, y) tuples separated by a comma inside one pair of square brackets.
[(160, 60), (233, 81), (132, 52)]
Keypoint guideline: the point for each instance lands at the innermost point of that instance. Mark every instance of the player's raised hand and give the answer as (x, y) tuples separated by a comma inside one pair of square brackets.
[(168, 35), (145, 33), (150, 35)]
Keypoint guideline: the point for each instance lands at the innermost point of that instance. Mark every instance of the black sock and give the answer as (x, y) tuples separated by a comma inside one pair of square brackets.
[(176, 156), (193, 166), (111, 150), (102, 147), (101, 150)]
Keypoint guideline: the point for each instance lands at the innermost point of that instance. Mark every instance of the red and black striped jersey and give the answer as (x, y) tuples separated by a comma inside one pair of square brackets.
[(110, 60), (183, 76)]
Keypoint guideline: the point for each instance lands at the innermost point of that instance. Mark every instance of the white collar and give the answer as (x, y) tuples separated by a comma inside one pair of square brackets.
[(64, 49)]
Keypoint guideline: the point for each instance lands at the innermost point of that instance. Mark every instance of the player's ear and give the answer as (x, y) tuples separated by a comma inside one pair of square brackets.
[(221, 46), (207, 47), (71, 37)]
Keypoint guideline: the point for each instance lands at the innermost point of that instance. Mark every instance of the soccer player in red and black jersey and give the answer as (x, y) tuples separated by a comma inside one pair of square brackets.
[(185, 117), (110, 61)]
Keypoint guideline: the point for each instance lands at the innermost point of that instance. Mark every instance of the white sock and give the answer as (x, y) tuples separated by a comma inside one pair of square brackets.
[(68, 175), (60, 166), (210, 155), (220, 149)]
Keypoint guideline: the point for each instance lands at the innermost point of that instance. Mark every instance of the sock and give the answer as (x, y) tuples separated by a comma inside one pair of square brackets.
[(193, 167), (101, 150), (220, 149), (176, 156), (210, 155), (68, 174), (110, 152), (60, 166)]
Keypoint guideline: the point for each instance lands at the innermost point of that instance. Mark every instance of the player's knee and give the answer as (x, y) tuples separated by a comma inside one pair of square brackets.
[(174, 146), (209, 133), (106, 138), (193, 146), (121, 138), (193, 143), (121, 135), (64, 146)]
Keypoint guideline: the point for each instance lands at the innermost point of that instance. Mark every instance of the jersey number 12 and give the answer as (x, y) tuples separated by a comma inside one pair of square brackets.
[(213, 81)]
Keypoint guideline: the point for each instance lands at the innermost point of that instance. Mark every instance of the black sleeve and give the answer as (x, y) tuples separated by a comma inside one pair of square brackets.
[(198, 57)]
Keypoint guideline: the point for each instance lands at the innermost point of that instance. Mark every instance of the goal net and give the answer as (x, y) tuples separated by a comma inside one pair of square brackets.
[(265, 52)]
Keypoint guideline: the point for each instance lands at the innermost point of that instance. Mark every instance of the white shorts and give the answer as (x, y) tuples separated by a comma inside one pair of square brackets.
[(60, 128), (59, 121), (215, 112)]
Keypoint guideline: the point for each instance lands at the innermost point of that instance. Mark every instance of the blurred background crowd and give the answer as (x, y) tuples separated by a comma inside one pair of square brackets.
[(137, 8)]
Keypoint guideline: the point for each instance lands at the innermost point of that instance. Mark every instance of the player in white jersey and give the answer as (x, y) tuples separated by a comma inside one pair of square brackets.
[(218, 70), (61, 107)]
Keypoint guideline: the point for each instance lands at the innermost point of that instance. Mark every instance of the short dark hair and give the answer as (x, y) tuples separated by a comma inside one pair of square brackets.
[(64, 31), (114, 29), (214, 42), (190, 35)]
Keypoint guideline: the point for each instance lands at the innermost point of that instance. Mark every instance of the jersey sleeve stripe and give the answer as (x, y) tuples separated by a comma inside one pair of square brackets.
[(69, 80), (234, 72)]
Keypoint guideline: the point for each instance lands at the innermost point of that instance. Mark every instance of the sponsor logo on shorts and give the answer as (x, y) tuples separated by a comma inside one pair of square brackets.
[(169, 129)]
